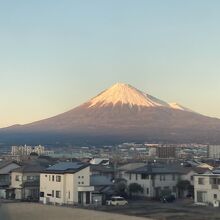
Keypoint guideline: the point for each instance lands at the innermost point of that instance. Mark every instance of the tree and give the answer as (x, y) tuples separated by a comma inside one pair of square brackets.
[(120, 188), (183, 185), (135, 188)]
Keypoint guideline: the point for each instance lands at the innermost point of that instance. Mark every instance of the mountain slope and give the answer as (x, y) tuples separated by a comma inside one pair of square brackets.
[(123, 113)]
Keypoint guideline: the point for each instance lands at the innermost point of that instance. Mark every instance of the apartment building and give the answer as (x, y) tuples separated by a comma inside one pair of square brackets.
[(66, 183), (213, 151), (166, 151), (27, 150), (207, 189)]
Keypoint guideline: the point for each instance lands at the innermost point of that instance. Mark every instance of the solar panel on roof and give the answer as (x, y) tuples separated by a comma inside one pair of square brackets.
[(65, 166)]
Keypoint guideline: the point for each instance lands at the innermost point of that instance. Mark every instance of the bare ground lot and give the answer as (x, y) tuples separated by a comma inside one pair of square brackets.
[(35, 211), (138, 210), (179, 210)]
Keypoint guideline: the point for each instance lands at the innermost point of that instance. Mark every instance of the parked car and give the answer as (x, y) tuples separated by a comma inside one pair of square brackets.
[(117, 200)]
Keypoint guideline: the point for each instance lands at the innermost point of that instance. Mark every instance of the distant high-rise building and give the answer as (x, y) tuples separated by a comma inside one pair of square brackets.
[(166, 151), (214, 151), (152, 152), (27, 150)]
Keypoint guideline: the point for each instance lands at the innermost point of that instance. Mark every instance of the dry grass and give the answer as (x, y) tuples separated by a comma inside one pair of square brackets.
[(31, 211)]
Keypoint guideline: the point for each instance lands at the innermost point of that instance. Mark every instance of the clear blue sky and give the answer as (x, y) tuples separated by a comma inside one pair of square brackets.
[(56, 54)]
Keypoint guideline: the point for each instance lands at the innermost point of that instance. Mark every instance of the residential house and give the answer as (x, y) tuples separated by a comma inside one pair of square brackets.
[(154, 179), (66, 183), (25, 181), (103, 189), (121, 170), (187, 174), (5, 179), (207, 189), (101, 170)]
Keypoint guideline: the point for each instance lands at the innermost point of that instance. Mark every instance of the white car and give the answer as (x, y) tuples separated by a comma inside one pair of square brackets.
[(117, 200)]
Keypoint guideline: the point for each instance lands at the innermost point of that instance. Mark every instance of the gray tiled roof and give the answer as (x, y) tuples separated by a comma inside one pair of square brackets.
[(154, 169), (166, 169), (6, 163), (29, 169), (131, 166), (102, 168)]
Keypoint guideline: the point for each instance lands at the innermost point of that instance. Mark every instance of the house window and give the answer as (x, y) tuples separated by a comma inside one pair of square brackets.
[(136, 176), (31, 178), (82, 177), (58, 194), (215, 196), (147, 189), (144, 176), (201, 181), (79, 183), (41, 194), (52, 193), (69, 195), (201, 196), (82, 182), (162, 177), (214, 181), (192, 178), (45, 175), (49, 177), (79, 177), (17, 178), (53, 178), (58, 178)]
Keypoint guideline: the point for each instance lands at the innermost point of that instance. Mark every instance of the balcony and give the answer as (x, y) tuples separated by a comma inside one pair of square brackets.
[(85, 188), (33, 183)]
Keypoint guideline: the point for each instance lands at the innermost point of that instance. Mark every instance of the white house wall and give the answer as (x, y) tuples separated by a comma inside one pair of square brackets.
[(152, 184), (68, 186)]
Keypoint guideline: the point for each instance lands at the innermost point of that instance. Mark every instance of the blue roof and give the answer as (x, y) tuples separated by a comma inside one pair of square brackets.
[(64, 166)]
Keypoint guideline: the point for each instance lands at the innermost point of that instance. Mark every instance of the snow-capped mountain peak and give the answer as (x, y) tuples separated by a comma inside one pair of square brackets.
[(124, 94)]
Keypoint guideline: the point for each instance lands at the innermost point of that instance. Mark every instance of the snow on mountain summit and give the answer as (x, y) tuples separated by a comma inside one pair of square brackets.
[(125, 94)]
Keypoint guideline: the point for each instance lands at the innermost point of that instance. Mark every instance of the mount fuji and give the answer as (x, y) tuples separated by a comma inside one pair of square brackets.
[(120, 113)]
